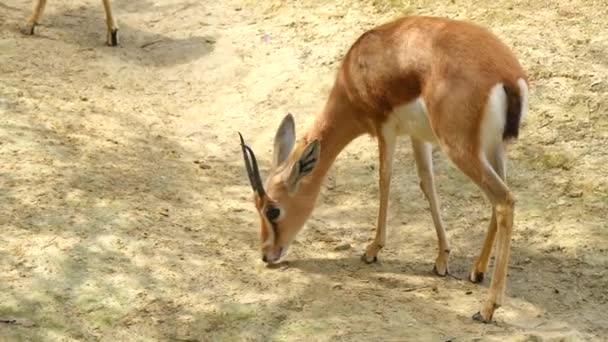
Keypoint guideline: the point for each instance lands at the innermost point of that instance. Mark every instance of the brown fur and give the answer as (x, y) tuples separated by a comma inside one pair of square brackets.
[(452, 66), (396, 62)]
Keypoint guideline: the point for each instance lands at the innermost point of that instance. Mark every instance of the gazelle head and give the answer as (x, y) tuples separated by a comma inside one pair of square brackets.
[(283, 204)]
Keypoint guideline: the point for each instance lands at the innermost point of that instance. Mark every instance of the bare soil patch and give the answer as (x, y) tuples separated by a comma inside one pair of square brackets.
[(125, 211)]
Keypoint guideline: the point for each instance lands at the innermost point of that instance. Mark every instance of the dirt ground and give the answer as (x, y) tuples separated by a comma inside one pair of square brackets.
[(125, 212)]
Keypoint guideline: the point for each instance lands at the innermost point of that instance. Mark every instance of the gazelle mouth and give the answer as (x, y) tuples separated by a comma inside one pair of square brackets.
[(274, 259)]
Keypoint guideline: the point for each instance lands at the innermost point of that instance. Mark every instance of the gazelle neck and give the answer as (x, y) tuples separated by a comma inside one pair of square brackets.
[(335, 127)]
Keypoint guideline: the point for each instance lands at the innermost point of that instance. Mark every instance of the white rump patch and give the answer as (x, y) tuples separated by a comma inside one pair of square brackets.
[(523, 89), (495, 116), (493, 121)]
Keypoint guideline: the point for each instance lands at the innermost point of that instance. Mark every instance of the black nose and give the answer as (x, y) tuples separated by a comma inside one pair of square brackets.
[(264, 259)]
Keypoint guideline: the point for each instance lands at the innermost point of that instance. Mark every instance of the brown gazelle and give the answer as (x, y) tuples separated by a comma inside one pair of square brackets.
[(34, 19), (440, 81)]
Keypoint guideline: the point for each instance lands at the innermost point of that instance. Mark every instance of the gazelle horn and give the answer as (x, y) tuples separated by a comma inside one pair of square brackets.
[(253, 172)]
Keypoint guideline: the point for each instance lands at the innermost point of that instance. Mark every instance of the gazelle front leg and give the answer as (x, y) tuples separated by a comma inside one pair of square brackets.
[(33, 20), (112, 27), (424, 163), (386, 147)]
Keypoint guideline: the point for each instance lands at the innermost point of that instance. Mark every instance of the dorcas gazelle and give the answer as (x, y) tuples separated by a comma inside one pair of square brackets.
[(438, 81), (112, 27)]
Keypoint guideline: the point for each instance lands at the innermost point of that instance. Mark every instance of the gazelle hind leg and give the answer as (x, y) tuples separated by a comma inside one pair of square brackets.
[(112, 27), (481, 264), (469, 135), (480, 267), (483, 174), (504, 204), (34, 19), (424, 163), (386, 149)]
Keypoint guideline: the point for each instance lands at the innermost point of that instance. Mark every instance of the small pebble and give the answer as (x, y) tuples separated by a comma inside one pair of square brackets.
[(342, 247)]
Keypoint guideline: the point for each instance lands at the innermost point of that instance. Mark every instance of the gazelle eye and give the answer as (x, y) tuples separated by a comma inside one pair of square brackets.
[(273, 214)]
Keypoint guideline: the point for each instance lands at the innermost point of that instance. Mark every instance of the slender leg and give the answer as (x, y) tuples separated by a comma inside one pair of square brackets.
[(34, 19), (481, 264), (424, 163), (504, 221), (386, 146), (484, 175), (112, 27)]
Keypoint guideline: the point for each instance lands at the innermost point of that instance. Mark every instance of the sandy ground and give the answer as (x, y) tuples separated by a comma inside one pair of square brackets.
[(125, 212)]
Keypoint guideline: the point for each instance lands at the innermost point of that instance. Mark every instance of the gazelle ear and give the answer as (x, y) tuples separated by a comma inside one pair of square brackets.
[(284, 140), (304, 165)]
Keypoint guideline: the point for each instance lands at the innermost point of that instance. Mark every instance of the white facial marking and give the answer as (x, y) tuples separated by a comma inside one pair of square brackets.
[(270, 240)]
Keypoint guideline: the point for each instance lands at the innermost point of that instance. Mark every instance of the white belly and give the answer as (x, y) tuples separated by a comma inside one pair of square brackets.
[(411, 119)]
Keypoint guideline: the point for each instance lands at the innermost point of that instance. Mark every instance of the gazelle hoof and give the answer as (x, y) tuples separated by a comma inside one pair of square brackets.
[(442, 273), (28, 29), (113, 38), (476, 277), (486, 312), (477, 317), (369, 260)]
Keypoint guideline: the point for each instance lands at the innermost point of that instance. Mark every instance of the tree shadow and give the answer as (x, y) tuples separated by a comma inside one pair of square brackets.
[(106, 212), (537, 274), (540, 273), (117, 233)]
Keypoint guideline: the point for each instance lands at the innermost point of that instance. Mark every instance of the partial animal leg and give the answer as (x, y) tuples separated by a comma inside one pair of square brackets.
[(481, 264), (484, 175), (112, 27), (386, 147), (34, 19), (424, 163)]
